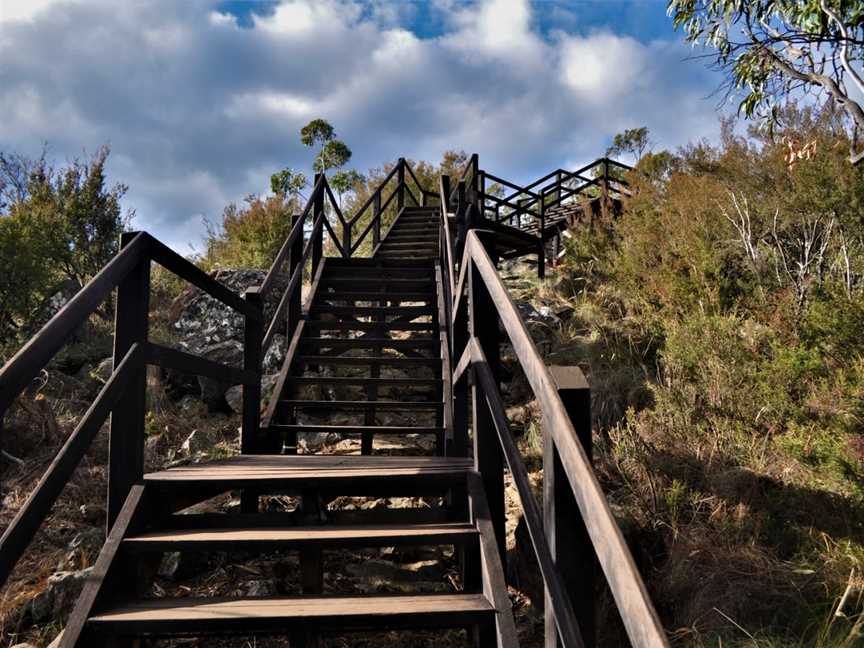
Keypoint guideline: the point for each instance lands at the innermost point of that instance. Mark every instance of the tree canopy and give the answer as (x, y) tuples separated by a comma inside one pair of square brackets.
[(774, 50)]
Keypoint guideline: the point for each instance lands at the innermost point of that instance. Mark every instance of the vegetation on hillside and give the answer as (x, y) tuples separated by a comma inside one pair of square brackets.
[(720, 318)]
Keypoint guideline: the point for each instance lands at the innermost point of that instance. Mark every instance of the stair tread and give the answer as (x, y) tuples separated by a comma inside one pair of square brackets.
[(335, 325), (353, 534), (359, 429), (350, 404), (213, 614), (361, 380), (310, 467), (357, 360)]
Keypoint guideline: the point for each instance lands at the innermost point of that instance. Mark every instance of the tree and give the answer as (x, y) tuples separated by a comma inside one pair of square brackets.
[(787, 48), (56, 225), (287, 182), (345, 181), (333, 153), (633, 141)]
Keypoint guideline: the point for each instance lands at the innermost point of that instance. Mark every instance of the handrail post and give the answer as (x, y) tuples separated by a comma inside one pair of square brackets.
[(317, 210), (444, 184), (292, 317), (346, 239), (126, 440), (400, 178), (376, 218), (488, 456), (253, 333), (568, 538), (480, 195), (541, 252)]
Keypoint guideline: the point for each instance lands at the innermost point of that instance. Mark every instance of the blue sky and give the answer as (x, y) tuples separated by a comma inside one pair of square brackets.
[(201, 100)]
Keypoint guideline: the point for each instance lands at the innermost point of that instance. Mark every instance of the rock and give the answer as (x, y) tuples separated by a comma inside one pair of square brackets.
[(228, 352), (257, 588), (92, 513), (391, 572), (103, 370), (178, 565), (82, 549), (24, 645), (234, 398), (59, 597), (198, 442)]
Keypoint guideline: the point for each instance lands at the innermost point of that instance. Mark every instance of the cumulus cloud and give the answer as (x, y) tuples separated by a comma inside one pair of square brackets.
[(199, 108)]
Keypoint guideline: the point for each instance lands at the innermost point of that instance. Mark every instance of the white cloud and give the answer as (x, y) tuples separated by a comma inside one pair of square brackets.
[(199, 110), (25, 10)]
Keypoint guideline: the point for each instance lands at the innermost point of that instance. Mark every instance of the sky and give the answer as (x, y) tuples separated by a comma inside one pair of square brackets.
[(201, 100)]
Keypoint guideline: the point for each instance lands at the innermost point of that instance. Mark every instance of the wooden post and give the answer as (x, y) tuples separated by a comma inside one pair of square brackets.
[(346, 239), (400, 175), (444, 184), (569, 542), (541, 252), (317, 210), (294, 309), (488, 456), (376, 218), (253, 333), (126, 441), (250, 432), (480, 196)]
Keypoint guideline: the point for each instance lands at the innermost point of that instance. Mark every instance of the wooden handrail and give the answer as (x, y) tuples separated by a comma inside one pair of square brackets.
[(293, 285), (20, 370), (561, 604), (296, 231), (188, 271), (23, 527), (637, 612)]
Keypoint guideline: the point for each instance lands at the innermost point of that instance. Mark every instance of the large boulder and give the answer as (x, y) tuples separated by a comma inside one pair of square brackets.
[(206, 327)]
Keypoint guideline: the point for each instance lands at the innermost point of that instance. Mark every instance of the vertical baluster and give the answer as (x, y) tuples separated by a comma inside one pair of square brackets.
[(126, 441), (400, 178), (376, 218), (488, 456), (250, 441), (318, 211), (541, 252), (568, 538)]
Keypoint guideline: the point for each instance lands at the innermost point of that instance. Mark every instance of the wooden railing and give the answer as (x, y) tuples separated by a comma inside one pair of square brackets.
[(576, 523), (123, 395)]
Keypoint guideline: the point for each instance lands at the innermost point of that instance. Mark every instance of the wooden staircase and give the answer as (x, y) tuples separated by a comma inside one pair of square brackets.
[(379, 358), (369, 347)]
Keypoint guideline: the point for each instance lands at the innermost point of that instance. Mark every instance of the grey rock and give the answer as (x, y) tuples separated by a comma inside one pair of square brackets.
[(178, 565), (234, 398), (102, 371), (257, 588), (197, 442), (59, 597)]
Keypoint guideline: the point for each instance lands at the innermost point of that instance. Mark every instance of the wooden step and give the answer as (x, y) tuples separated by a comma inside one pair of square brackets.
[(371, 262), (369, 271), (371, 311), (394, 361), (356, 295), (310, 471), (389, 405), (268, 538), (361, 429), (360, 380), (369, 342), (289, 614), (333, 325), (408, 284)]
